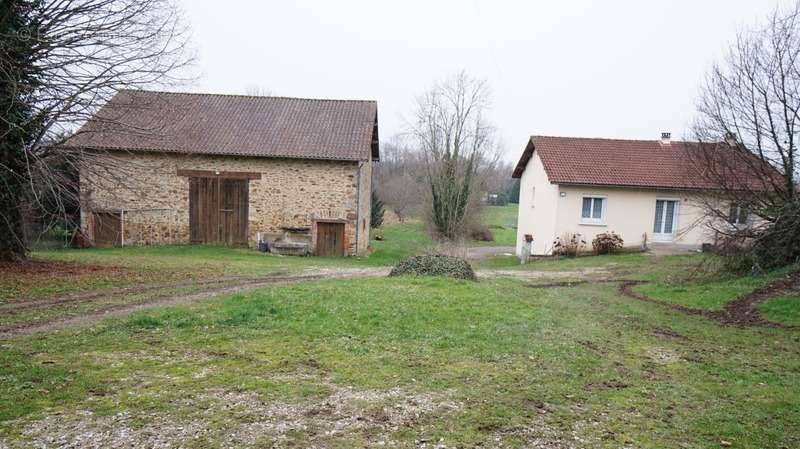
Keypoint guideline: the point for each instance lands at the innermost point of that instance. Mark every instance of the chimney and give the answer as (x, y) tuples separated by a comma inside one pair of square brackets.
[(730, 139), (666, 138)]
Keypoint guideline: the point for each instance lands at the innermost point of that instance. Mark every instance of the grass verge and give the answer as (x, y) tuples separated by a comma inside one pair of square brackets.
[(783, 309), (708, 291)]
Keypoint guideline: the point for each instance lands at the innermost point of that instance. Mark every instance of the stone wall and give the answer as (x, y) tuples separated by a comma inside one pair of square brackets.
[(365, 206), (154, 201)]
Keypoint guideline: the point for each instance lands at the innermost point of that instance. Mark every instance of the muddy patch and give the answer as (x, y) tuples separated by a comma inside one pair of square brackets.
[(612, 384), (597, 273), (159, 356), (245, 419), (561, 284), (592, 346), (20, 279), (52, 269), (665, 332)]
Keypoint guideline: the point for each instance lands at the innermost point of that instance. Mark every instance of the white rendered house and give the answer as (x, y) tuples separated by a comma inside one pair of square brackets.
[(639, 189)]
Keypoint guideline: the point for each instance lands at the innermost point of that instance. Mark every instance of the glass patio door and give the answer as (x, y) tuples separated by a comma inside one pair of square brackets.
[(664, 226)]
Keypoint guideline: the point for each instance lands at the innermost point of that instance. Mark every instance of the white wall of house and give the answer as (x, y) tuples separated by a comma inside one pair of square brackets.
[(538, 202), (548, 211), (631, 213)]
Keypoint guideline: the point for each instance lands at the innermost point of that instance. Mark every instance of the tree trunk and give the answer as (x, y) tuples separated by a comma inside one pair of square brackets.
[(12, 239), (18, 126)]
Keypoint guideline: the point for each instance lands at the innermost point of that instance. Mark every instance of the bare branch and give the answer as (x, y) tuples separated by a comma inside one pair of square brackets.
[(60, 60)]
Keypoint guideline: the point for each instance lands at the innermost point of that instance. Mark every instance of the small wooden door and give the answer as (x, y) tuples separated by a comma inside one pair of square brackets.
[(330, 239), (107, 229), (218, 209)]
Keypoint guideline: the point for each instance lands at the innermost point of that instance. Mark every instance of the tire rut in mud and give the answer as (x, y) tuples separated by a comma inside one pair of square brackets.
[(20, 305), (167, 297), (741, 312)]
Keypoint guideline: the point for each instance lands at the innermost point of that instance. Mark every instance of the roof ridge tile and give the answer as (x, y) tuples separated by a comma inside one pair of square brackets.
[(226, 94)]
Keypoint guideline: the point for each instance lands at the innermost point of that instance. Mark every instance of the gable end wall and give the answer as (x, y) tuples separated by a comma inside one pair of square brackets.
[(538, 202)]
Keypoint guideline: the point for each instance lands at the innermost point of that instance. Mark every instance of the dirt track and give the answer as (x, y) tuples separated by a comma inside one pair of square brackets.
[(140, 297), (740, 312), (161, 295)]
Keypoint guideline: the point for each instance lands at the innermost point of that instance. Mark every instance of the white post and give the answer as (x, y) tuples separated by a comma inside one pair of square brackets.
[(122, 227), (526, 249)]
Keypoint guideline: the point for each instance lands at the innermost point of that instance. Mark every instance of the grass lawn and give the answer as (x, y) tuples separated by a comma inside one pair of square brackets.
[(785, 309), (502, 222), (404, 361), (400, 241), (706, 295), (400, 362), (709, 293)]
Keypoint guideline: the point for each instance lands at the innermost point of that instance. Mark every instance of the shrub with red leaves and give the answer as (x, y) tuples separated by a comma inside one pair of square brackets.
[(569, 245)]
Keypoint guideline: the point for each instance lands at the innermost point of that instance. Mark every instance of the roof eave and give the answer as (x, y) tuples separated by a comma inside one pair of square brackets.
[(627, 186), (524, 159)]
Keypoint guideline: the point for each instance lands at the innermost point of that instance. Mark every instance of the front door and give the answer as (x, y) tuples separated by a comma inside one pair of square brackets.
[(665, 220), (218, 210)]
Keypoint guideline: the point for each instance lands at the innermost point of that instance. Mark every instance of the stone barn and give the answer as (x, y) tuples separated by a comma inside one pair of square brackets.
[(174, 168)]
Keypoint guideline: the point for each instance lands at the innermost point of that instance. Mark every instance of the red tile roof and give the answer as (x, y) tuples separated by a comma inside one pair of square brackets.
[(233, 125), (615, 162)]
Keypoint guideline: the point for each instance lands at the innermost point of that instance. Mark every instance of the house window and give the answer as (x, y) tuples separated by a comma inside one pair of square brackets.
[(738, 214), (593, 210)]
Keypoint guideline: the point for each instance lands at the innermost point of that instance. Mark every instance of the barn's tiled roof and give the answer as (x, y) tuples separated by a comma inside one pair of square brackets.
[(233, 125), (616, 162)]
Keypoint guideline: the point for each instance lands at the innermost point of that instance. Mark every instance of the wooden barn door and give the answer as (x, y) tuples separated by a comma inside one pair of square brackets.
[(203, 210), (330, 239), (107, 229), (218, 209), (233, 211)]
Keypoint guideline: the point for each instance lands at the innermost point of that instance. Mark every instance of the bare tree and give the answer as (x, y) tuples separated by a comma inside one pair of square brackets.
[(400, 177), (452, 131), (402, 193), (497, 180), (59, 61), (748, 133)]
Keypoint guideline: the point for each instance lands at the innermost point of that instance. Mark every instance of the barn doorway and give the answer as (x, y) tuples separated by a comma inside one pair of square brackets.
[(218, 210), (107, 230), (330, 239)]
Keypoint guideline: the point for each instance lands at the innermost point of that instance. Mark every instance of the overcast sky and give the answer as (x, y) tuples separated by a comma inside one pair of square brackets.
[(603, 68)]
